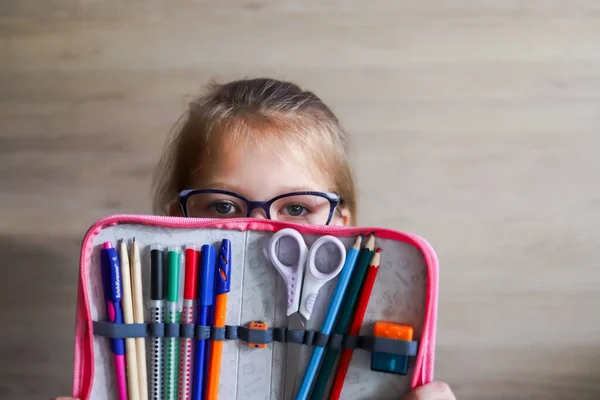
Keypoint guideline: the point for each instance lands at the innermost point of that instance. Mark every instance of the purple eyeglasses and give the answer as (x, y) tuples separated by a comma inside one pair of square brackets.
[(299, 207)]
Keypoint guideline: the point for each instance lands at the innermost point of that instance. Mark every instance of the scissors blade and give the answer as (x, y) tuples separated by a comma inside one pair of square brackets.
[(293, 358)]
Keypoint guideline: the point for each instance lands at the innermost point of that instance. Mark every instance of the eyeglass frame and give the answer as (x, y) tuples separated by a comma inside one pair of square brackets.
[(334, 200)]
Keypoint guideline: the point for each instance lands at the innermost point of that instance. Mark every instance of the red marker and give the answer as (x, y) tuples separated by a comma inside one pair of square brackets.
[(187, 317)]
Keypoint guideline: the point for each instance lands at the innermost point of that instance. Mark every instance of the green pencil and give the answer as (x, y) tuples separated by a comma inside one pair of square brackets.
[(345, 316)]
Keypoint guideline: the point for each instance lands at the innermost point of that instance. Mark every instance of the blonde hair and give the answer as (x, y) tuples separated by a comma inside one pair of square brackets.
[(262, 112)]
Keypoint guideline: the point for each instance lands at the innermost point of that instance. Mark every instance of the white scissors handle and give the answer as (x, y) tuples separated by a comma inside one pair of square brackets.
[(314, 279), (291, 274)]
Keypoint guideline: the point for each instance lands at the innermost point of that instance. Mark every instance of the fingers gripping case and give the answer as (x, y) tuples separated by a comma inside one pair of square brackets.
[(405, 291)]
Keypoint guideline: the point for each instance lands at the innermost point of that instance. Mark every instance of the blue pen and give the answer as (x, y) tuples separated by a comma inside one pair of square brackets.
[(110, 269), (334, 306), (204, 302)]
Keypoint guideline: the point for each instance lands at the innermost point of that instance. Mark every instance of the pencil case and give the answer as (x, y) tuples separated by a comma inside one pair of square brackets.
[(405, 291)]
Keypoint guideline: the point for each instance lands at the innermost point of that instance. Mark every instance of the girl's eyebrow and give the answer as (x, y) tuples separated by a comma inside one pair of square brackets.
[(237, 189)]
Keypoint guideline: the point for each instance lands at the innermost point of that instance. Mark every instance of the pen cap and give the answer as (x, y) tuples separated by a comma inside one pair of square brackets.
[(111, 274), (174, 259), (206, 278), (157, 272), (191, 272), (223, 270)]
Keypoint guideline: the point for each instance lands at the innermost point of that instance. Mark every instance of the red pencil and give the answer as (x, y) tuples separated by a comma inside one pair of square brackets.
[(357, 319)]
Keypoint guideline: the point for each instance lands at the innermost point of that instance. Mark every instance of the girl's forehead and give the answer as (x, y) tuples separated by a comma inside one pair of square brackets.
[(259, 172)]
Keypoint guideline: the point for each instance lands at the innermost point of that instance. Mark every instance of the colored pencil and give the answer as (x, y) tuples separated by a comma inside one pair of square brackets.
[(332, 312), (133, 388), (361, 308), (138, 318), (345, 315)]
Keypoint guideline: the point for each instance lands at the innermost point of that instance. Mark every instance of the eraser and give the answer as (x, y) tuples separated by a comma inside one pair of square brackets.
[(389, 362)]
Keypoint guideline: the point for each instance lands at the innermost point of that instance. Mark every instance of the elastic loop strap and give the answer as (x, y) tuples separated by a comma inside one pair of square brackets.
[(217, 333), (310, 338), (187, 331), (351, 342), (294, 336), (154, 330), (119, 331), (171, 330), (321, 339), (393, 346), (279, 334), (201, 332), (231, 332), (255, 335)]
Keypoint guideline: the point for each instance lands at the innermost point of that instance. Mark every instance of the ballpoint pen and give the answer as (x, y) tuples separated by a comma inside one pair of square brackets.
[(344, 317), (111, 282), (357, 319), (332, 311), (206, 281), (172, 317), (138, 317), (127, 304), (222, 287), (187, 317)]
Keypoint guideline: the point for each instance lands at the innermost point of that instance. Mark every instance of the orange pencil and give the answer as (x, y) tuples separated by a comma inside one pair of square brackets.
[(222, 287)]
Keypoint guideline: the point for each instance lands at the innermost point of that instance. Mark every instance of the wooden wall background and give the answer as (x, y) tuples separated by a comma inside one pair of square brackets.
[(474, 123)]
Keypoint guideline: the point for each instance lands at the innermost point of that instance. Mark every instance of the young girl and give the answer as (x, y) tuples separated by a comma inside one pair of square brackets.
[(262, 148)]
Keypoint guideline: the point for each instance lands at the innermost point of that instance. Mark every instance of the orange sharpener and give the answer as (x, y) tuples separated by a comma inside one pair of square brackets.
[(260, 325)]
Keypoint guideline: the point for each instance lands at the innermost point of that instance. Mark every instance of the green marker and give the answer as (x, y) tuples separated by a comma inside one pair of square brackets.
[(345, 316), (172, 348)]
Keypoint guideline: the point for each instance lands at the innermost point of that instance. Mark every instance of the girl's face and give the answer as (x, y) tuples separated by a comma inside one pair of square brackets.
[(261, 175)]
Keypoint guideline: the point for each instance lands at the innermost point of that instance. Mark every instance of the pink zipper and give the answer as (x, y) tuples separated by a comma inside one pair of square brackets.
[(83, 364)]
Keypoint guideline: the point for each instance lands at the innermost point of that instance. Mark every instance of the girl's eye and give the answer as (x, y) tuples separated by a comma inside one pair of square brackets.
[(224, 207), (295, 210)]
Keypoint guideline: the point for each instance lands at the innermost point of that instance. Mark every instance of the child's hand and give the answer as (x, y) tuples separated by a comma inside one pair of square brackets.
[(431, 391)]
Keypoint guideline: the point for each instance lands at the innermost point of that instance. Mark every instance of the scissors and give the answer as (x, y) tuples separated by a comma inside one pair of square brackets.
[(303, 280)]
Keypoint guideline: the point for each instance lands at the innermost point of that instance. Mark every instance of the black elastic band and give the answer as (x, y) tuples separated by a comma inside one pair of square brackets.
[(259, 336)]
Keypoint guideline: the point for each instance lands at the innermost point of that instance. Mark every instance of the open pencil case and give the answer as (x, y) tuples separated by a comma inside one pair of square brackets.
[(405, 291)]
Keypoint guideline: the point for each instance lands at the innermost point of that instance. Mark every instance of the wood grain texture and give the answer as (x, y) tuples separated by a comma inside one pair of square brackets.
[(474, 124)]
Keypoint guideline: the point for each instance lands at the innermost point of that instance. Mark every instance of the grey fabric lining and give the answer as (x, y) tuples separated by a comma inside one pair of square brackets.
[(310, 338)]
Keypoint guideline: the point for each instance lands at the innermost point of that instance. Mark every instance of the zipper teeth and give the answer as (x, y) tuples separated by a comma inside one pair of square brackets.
[(269, 225)]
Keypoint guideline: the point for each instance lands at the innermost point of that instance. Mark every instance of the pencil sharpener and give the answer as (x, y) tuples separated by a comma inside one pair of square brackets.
[(261, 326), (389, 362)]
